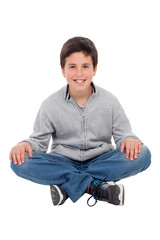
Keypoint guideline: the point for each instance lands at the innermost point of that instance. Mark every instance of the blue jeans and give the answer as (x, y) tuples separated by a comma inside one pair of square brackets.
[(74, 176)]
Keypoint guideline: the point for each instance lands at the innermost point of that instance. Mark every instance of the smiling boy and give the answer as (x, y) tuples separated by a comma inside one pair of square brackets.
[(79, 71), (81, 118)]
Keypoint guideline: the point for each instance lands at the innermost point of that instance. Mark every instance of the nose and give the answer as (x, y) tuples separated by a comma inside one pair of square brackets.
[(79, 72)]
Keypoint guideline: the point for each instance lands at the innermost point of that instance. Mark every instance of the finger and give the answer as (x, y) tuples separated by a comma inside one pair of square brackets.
[(10, 156), (19, 158), (136, 149), (29, 150), (122, 147), (30, 153), (128, 149), (132, 154), (23, 156), (14, 158), (140, 147), (136, 152)]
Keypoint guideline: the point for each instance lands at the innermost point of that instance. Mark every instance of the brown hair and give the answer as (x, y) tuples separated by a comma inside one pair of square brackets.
[(79, 44)]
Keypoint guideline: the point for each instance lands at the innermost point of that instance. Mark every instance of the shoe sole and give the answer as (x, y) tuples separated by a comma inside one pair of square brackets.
[(58, 195), (116, 194), (121, 194)]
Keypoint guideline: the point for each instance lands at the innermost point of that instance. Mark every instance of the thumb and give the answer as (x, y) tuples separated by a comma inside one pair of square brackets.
[(29, 150), (123, 146)]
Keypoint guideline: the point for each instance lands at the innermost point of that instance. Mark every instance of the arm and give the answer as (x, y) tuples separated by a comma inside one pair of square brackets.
[(42, 131), (122, 133), (38, 141)]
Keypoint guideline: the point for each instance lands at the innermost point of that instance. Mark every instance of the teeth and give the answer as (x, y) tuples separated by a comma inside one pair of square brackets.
[(79, 81)]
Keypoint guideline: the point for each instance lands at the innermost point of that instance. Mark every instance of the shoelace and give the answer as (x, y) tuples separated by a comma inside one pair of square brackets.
[(95, 191)]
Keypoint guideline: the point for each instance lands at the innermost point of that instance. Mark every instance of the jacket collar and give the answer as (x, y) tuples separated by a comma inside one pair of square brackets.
[(68, 96)]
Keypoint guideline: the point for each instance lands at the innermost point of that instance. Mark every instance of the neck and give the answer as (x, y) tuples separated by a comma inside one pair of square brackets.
[(82, 97)]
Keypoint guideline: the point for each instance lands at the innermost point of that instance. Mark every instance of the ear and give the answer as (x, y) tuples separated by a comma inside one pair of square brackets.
[(63, 72), (95, 70)]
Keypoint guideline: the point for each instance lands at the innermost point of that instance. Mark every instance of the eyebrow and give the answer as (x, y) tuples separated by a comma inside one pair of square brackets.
[(82, 64)]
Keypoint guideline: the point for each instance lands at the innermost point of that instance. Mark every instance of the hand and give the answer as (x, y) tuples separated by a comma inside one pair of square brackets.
[(133, 147), (17, 154)]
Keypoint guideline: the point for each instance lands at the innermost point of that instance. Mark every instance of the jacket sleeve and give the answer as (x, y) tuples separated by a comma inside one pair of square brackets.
[(121, 128), (42, 131)]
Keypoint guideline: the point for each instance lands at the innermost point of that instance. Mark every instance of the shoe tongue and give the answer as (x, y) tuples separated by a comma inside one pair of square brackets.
[(99, 183), (105, 185)]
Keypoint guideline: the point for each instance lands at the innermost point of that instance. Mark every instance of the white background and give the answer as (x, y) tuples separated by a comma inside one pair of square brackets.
[(127, 36)]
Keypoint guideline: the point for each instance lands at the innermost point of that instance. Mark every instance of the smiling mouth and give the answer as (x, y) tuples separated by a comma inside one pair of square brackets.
[(79, 80)]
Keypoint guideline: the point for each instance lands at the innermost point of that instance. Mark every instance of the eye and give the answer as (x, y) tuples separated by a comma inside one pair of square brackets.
[(86, 66), (72, 67)]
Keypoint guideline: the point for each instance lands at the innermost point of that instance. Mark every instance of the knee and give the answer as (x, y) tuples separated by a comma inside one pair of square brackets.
[(145, 156), (16, 168), (19, 168)]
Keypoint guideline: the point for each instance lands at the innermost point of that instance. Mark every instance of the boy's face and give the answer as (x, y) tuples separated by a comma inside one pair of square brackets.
[(79, 71)]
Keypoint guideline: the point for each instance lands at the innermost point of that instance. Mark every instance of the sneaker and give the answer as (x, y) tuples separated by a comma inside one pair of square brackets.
[(106, 191), (58, 195)]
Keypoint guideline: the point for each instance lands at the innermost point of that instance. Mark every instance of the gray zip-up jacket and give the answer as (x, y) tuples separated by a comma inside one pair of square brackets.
[(80, 132)]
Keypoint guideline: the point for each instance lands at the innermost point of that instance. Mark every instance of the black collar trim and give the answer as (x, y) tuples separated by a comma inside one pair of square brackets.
[(68, 96)]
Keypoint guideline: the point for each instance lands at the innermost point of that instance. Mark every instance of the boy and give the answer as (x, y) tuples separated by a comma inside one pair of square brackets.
[(81, 118)]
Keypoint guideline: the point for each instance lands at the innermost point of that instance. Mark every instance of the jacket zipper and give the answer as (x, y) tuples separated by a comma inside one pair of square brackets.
[(84, 133), (83, 112)]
